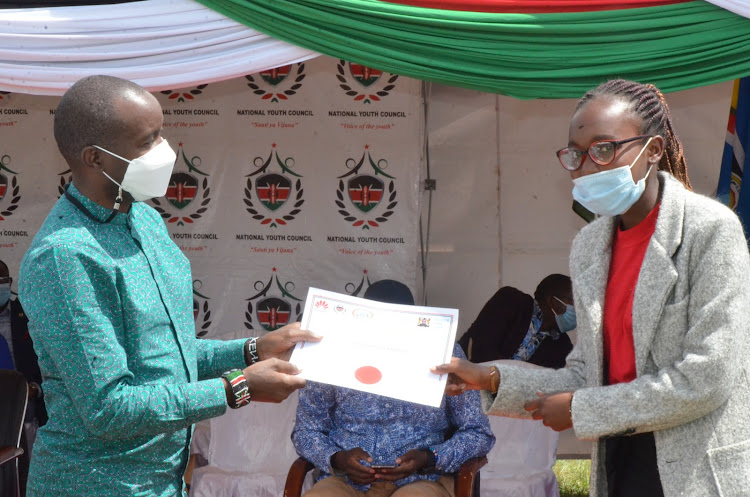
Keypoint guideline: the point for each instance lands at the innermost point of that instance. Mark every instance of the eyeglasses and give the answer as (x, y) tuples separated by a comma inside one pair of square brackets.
[(5, 279), (601, 152)]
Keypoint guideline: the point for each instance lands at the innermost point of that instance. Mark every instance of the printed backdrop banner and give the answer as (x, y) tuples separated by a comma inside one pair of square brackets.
[(302, 175)]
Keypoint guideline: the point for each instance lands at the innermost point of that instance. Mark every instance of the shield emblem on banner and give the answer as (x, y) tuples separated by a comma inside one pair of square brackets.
[(276, 75), (181, 190), (3, 185), (365, 192), (273, 190), (366, 76), (273, 313), (196, 309)]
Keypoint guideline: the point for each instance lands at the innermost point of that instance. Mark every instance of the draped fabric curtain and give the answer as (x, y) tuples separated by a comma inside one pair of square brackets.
[(549, 55), (533, 6), (159, 44), (523, 48), (739, 7)]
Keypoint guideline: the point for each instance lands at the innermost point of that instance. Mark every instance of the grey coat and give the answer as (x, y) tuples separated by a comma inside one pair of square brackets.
[(691, 313)]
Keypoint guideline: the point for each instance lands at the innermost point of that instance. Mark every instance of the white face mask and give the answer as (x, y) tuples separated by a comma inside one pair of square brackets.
[(611, 192), (148, 175)]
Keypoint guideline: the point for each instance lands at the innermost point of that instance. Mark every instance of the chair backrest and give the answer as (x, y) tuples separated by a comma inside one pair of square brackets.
[(14, 392), (523, 445), (255, 439)]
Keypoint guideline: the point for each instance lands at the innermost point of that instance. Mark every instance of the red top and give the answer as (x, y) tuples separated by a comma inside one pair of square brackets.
[(628, 249)]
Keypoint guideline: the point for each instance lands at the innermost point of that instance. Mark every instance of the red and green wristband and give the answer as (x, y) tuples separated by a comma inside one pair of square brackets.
[(238, 385)]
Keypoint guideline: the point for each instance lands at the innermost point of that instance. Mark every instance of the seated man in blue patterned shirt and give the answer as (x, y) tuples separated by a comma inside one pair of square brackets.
[(349, 435)]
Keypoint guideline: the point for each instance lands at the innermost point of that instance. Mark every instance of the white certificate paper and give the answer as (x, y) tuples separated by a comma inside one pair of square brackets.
[(385, 349)]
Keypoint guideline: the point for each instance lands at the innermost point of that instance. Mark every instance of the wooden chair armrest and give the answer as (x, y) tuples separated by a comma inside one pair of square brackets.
[(296, 477), (466, 474), (9, 453)]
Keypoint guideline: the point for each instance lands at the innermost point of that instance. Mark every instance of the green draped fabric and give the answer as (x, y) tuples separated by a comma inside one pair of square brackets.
[(558, 55)]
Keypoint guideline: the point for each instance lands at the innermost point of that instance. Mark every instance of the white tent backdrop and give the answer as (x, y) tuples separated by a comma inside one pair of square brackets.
[(305, 175), (501, 212)]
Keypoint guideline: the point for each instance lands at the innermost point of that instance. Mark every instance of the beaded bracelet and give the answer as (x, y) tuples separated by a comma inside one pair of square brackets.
[(251, 351), (238, 385)]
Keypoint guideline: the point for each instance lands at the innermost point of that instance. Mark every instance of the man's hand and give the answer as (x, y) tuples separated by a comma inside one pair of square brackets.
[(406, 465), (280, 343), (272, 380), (464, 375), (553, 410), (348, 461)]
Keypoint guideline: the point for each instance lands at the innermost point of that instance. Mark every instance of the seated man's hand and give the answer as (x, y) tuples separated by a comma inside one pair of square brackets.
[(272, 380), (348, 461), (280, 343), (406, 465)]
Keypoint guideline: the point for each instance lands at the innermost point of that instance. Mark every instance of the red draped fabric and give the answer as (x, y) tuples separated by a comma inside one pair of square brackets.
[(533, 6)]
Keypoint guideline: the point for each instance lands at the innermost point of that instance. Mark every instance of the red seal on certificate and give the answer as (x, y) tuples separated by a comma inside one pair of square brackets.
[(368, 375)]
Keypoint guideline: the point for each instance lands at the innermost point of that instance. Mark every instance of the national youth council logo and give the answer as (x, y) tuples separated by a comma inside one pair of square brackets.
[(366, 192), (276, 188), (201, 312), (183, 96), (188, 193), (353, 289), (280, 82), (273, 304), (369, 85), (9, 189)]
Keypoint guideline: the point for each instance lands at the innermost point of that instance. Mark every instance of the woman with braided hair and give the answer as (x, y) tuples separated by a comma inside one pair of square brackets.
[(659, 375)]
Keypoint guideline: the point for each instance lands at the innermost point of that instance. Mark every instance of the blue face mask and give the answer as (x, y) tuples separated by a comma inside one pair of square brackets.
[(612, 192), (567, 320), (4, 294)]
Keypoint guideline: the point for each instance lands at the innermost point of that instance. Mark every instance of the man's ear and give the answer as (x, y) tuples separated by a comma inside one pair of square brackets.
[(91, 157)]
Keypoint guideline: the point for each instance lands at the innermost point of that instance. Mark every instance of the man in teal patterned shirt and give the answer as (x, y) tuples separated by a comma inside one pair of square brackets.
[(109, 300)]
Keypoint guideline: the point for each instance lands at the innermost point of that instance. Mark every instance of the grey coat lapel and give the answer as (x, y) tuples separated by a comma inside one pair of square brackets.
[(658, 273), (590, 268)]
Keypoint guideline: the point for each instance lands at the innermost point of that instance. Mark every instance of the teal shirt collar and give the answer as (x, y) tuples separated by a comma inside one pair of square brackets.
[(100, 213)]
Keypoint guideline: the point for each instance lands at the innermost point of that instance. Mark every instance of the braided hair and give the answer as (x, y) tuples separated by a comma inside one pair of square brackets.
[(649, 105)]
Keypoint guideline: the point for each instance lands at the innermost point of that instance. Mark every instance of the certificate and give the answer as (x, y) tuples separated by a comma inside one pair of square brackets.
[(385, 349)]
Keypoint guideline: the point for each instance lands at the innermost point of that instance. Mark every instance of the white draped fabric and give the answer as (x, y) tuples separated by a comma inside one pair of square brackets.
[(159, 44), (739, 7)]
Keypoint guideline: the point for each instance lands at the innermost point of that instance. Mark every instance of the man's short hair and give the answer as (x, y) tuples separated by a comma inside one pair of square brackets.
[(86, 114), (552, 285)]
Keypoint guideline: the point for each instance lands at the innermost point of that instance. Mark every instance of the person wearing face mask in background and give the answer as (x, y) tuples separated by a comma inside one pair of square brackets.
[(514, 325), (17, 353), (659, 374), (109, 300)]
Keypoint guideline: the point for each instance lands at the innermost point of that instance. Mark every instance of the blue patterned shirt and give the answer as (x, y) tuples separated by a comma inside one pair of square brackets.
[(110, 313), (331, 419)]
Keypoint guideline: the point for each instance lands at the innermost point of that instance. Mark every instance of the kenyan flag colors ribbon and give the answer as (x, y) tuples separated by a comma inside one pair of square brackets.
[(526, 49)]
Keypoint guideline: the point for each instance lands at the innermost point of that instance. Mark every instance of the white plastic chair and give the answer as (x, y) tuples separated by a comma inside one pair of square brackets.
[(250, 451), (520, 463)]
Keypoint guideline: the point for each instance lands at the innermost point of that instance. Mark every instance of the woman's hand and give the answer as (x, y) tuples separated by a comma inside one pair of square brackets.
[(464, 375), (553, 410)]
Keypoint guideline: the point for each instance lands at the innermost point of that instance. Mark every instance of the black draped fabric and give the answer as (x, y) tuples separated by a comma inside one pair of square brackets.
[(502, 325)]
